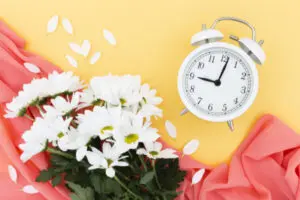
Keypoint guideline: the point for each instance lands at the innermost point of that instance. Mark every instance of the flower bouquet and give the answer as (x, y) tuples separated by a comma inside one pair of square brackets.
[(99, 137)]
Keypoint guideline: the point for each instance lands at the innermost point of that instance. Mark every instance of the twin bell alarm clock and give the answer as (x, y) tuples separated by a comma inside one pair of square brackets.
[(218, 81)]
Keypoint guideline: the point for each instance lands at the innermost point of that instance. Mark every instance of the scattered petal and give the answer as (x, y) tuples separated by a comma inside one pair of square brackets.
[(171, 129), (32, 68), (95, 58), (198, 176), (29, 189), (109, 37), (191, 147), (52, 24), (85, 48), (76, 48), (67, 26), (72, 61), (12, 173)]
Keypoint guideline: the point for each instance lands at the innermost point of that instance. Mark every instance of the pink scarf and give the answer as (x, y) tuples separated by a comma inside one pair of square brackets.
[(266, 166)]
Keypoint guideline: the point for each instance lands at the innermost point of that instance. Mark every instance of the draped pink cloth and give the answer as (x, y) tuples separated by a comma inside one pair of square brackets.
[(266, 166)]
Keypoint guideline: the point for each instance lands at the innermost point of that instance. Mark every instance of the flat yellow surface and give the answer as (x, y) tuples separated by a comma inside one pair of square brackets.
[(153, 39)]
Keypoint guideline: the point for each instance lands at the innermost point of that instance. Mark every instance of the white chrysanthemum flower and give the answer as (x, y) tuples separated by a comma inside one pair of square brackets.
[(100, 122), (31, 94), (88, 98), (64, 82), (133, 131), (154, 150), (61, 106), (117, 90), (107, 159), (149, 102)]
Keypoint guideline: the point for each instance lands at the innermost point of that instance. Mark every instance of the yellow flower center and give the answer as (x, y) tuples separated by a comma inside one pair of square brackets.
[(109, 162), (123, 101), (60, 135), (131, 138), (106, 128), (153, 153)]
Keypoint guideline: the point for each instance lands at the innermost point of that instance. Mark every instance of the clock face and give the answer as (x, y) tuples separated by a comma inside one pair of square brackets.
[(219, 82)]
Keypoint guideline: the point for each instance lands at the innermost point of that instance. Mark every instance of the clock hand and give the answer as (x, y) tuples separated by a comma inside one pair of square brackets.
[(206, 79), (223, 70)]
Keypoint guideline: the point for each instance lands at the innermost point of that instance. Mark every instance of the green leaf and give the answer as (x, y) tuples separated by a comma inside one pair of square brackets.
[(56, 181), (45, 175), (147, 178), (80, 193), (104, 185)]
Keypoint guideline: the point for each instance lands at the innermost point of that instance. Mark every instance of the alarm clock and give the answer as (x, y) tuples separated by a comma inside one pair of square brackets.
[(218, 81)]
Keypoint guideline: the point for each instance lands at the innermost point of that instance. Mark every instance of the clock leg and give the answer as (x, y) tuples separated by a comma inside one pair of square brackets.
[(231, 125), (184, 111)]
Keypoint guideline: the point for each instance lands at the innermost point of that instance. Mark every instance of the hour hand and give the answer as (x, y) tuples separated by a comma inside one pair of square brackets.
[(206, 79)]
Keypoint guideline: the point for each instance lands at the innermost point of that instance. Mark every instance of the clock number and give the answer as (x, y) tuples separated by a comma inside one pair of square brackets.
[(200, 65), (211, 59), (244, 76), (192, 89), (235, 65), (199, 100), (236, 100), (224, 58), (192, 75), (243, 90), (224, 109), (210, 107)]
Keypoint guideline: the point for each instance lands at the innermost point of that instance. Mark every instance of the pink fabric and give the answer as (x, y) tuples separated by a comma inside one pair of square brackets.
[(266, 165)]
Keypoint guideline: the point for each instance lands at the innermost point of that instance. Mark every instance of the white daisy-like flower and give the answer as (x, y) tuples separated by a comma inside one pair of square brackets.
[(154, 151), (64, 82), (88, 98), (31, 94), (107, 159), (149, 102), (100, 122), (117, 90), (61, 106), (132, 131)]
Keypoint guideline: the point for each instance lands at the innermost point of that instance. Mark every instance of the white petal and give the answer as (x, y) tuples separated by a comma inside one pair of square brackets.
[(191, 147), (29, 189), (85, 48), (110, 172), (12, 173), (198, 176), (72, 61), (141, 152), (67, 25), (76, 48), (171, 129), (95, 58), (32, 68), (81, 153), (52, 24), (109, 37)]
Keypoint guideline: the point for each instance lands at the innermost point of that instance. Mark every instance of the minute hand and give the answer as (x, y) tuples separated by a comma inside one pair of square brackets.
[(223, 70)]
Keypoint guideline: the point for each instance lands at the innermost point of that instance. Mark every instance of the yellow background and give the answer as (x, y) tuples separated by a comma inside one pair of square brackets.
[(153, 39)]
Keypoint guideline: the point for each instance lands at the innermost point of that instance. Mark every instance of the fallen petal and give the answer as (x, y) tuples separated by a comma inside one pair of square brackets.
[(76, 48), (72, 61), (191, 147), (29, 189), (32, 68), (109, 37), (52, 24), (95, 58), (12, 173), (67, 26), (85, 48), (171, 129), (198, 176)]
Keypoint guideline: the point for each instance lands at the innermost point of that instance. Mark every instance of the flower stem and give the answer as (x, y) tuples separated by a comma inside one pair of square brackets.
[(156, 178), (127, 189), (60, 153), (28, 117), (143, 163)]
